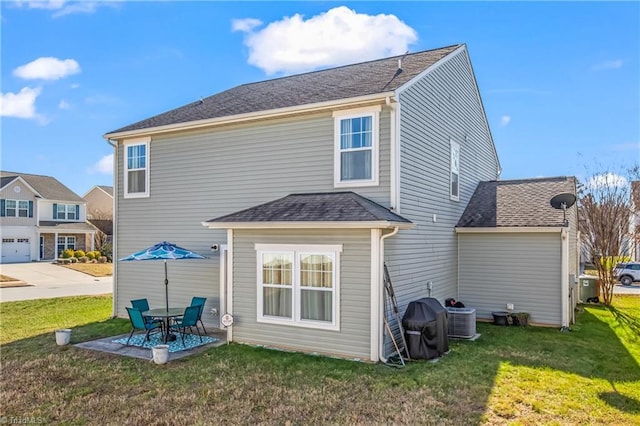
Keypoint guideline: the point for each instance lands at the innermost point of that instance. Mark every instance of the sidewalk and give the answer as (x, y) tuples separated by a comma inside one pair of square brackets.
[(46, 280)]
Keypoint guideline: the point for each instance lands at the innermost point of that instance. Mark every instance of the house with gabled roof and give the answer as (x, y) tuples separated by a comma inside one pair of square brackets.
[(305, 186), (40, 218), (518, 253)]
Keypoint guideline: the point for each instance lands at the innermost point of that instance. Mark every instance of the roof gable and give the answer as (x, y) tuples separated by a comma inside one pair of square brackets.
[(46, 187), (516, 203), (315, 207), (349, 81)]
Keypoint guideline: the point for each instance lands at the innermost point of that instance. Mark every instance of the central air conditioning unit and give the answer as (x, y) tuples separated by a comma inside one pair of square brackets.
[(462, 322)]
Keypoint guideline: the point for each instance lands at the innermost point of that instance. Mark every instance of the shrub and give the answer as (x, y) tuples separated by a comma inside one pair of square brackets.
[(79, 253), (91, 255), (68, 253), (73, 259), (102, 259), (83, 259), (107, 251)]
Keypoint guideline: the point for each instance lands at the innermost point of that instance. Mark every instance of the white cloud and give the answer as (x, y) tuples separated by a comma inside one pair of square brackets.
[(64, 104), (75, 85), (628, 146), (337, 37), (505, 120), (47, 68), (245, 25), (63, 7), (608, 65), (607, 180), (20, 105), (103, 166)]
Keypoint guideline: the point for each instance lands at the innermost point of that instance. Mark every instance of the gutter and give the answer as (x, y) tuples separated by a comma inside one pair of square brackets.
[(381, 305), (114, 287)]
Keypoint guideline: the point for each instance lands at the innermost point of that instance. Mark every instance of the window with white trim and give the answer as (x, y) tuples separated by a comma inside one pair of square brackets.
[(356, 148), (136, 168), (66, 242), (454, 187), (16, 208), (298, 285), (66, 211)]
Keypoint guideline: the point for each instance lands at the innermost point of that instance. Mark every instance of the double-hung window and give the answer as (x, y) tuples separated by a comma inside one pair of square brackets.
[(136, 168), (64, 243), (66, 211), (356, 147), (298, 285), (454, 187), (16, 208)]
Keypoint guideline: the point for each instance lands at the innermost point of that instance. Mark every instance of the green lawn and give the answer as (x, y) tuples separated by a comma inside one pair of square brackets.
[(511, 375)]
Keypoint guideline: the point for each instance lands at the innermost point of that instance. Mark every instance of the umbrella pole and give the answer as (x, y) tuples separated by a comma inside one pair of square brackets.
[(166, 286)]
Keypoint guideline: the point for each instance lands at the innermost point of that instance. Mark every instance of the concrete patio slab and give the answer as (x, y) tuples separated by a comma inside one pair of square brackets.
[(106, 345)]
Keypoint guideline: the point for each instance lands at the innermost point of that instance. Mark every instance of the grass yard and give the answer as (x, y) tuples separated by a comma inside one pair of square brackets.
[(94, 269), (511, 375)]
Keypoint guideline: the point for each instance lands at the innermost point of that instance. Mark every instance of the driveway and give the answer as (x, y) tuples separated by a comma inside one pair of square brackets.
[(627, 289), (47, 280)]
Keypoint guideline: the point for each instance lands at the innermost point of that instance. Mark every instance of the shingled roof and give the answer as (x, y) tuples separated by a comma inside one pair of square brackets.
[(316, 207), (46, 186), (350, 81), (516, 203)]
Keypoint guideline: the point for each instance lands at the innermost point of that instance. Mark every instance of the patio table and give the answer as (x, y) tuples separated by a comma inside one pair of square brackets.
[(166, 315)]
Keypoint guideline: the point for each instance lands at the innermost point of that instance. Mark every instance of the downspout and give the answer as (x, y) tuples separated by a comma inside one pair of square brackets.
[(564, 279), (114, 287), (381, 305), (394, 155)]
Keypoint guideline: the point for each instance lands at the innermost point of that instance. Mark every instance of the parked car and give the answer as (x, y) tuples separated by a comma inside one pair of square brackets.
[(627, 273)]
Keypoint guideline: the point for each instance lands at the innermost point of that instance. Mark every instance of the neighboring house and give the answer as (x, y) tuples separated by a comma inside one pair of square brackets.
[(40, 218), (307, 184), (100, 209), (515, 248)]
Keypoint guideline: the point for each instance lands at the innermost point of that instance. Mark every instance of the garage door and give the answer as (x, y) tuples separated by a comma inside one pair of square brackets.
[(16, 250)]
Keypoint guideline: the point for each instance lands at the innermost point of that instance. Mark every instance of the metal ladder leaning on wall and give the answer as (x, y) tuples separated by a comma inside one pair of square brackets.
[(400, 344)]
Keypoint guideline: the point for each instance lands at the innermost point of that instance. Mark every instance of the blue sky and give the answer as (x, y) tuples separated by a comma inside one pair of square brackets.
[(560, 82)]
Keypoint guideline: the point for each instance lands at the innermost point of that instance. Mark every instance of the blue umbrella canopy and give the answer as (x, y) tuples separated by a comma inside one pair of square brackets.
[(163, 251)]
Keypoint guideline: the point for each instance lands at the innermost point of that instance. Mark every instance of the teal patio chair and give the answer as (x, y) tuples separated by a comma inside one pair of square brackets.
[(189, 320), (138, 323), (143, 305), (200, 301)]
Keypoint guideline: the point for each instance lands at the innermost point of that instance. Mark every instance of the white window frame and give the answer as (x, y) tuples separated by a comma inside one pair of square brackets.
[(24, 208), (134, 142), (454, 163), (338, 116), (296, 251), (67, 240), (64, 211), (14, 208)]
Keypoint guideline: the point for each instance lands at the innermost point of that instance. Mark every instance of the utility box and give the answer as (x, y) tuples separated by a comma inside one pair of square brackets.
[(588, 287)]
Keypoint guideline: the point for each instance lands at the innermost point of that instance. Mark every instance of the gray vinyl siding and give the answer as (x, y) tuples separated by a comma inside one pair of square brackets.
[(352, 340), (199, 175), (519, 268), (443, 105)]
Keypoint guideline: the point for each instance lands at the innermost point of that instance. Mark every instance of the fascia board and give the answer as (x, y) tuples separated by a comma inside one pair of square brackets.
[(258, 115), (511, 230), (307, 225)]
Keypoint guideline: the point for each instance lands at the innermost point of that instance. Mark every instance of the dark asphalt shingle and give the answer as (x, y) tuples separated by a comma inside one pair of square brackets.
[(344, 82), (516, 203), (48, 187), (316, 207)]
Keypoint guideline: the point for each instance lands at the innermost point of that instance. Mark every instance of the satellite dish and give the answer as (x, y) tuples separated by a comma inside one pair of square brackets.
[(562, 202)]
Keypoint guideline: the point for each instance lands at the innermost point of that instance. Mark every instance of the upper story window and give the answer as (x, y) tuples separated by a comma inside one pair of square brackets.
[(298, 285), (356, 147), (454, 188), (66, 211), (136, 168), (16, 208)]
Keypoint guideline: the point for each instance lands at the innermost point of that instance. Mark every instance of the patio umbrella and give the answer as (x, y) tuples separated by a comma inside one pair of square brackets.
[(163, 251)]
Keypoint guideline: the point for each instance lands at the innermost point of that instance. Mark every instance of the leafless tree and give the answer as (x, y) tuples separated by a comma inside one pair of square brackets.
[(100, 220), (605, 209)]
